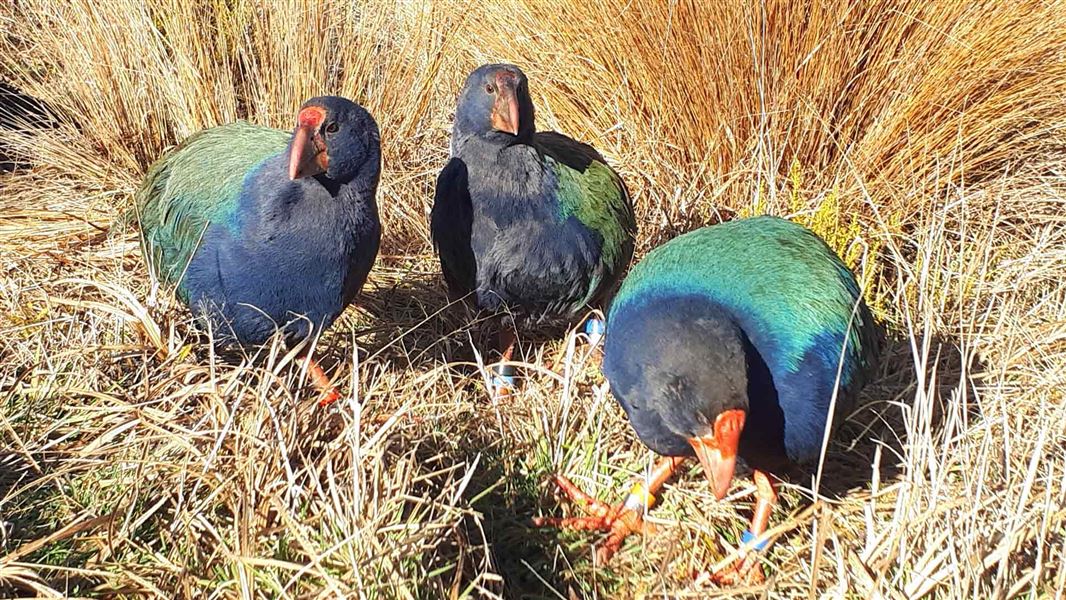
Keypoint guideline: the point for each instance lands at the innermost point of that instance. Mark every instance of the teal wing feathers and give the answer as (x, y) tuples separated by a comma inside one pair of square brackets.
[(782, 276), (592, 192), (195, 184)]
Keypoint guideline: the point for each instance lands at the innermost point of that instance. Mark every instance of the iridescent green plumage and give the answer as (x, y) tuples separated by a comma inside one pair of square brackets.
[(596, 197), (781, 276), (756, 314), (197, 183), (533, 221), (589, 190)]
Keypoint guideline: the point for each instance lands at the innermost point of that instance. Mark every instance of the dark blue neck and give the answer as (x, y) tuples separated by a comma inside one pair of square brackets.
[(485, 145), (360, 188)]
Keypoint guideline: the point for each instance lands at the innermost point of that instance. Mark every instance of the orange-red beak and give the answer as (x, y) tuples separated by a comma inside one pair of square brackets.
[(718, 452), (505, 111), (308, 155)]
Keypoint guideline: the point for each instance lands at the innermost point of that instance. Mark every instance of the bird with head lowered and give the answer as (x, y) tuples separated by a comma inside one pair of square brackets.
[(739, 340)]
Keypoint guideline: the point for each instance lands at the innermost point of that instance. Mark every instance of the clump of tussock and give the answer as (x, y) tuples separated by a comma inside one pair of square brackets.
[(924, 140)]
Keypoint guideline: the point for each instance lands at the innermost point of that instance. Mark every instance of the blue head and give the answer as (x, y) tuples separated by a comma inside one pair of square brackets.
[(335, 137), (494, 105)]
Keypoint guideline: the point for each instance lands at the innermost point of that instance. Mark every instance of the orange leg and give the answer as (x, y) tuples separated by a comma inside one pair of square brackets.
[(747, 568), (619, 520), (503, 378), (322, 383)]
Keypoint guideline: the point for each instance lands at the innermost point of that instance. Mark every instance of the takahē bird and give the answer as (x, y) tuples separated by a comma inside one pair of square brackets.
[(262, 230), (729, 341), (531, 222)]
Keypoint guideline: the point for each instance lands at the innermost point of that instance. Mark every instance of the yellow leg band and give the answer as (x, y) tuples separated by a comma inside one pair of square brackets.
[(639, 497)]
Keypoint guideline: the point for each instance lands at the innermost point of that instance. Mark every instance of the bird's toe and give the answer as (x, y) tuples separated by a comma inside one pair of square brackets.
[(618, 520)]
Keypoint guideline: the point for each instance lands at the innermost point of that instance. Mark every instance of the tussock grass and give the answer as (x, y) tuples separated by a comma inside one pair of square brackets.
[(926, 141)]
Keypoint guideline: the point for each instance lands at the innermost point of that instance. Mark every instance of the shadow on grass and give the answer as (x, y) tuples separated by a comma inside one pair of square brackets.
[(407, 321), (414, 327), (401, 319), (412, 324), (873, 438), (875, 434), (503, 496), (32, 526), (20, 111)]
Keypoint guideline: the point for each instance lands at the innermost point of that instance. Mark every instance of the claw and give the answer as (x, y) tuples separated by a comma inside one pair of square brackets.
[(579, 523), (587, 503), (329, 397), (747, 569), (619, 520), (501, 392)]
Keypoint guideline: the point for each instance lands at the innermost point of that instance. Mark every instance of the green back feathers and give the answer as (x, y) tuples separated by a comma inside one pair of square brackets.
[(590, 191), (598, 199), (779, 275), (195, 184)]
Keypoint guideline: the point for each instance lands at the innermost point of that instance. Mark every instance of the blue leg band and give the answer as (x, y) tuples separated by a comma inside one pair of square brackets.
[(594, 328), (747, 538), (503, 376)]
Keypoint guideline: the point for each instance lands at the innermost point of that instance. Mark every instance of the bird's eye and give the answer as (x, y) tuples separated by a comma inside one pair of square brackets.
[(332, 127), (490, 88)]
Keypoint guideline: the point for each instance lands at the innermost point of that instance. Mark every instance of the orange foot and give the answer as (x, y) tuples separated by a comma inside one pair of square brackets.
[(747, 570), (329, 397), (322, 383), (619, 520)]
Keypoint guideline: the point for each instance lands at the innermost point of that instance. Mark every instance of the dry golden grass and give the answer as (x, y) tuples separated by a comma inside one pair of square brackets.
[(926, 141)]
